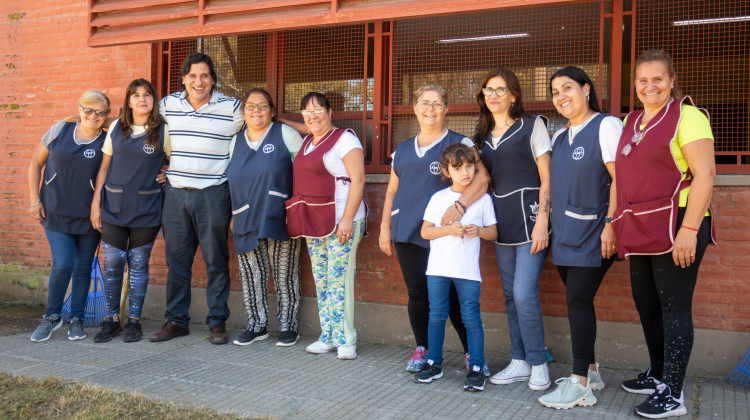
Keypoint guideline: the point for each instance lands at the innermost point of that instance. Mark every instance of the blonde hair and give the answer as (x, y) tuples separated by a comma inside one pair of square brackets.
[(91, 97), (434, 87)]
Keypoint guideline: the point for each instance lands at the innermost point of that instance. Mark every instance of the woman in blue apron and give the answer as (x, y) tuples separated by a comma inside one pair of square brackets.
[(582, 171), (70, 155), (515, 149), (415, 177), (127, 205), (260, 180)]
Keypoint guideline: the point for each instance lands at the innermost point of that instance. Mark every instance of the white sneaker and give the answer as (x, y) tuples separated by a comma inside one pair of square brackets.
[(347, 352), (595, 379), (569, 393), (319, 347), (517, 370), (539, 380)]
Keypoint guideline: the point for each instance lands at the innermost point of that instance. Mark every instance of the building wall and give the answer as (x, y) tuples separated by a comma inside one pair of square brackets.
[(46, 65)]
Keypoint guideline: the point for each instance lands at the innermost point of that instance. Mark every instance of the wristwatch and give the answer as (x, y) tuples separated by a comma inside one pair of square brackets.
[(607, 219)]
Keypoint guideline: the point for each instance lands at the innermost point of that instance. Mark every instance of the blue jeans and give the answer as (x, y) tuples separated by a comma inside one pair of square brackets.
[(468, 296), (72, 255), (191, 218), (519, 273)]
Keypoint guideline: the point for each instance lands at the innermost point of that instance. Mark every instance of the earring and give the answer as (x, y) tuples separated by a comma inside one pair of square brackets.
[(587, 96)]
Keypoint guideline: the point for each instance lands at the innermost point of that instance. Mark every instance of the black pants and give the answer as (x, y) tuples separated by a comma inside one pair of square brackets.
[(663, 295), (581, 285), (413, 261)]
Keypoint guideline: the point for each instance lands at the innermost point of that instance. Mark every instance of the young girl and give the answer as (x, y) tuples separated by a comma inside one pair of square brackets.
[(454, 259)]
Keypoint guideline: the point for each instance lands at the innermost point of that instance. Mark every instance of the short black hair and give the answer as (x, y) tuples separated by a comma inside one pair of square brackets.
[(196, 58), (319, 98)]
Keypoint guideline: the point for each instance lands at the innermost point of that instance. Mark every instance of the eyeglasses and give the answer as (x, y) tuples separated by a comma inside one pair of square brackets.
[(437, 105), (637, 137), (317, 111), (89, 111), (249, 106), (488, 91)]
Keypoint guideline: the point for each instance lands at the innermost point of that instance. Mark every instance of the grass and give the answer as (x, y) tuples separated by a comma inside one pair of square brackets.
[(22, 397)]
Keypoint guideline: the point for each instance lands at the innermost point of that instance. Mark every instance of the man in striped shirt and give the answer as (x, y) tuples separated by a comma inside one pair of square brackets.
[(197, 210)]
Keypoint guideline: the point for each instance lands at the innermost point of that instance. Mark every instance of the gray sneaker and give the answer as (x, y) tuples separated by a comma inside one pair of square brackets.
[(44, 330), (75, 329), (595, 379), (569, 393)]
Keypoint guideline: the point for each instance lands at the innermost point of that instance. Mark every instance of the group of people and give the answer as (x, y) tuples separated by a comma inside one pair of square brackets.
[(598, 190), (595, 192)]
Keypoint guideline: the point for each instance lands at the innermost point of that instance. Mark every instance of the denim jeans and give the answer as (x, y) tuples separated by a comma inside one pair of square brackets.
[(72, 255), (468, 296), (191, 218), (519, 273)]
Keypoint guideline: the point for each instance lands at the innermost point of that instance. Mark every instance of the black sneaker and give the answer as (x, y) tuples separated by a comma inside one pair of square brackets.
[(429, 372), (110, 328), (661, 404), (287, 338), (250, 336), (644, 384), (474, 379), (133, 331)]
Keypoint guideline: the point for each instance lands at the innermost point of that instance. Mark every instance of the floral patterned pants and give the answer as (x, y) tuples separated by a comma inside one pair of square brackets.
[(334, 267)]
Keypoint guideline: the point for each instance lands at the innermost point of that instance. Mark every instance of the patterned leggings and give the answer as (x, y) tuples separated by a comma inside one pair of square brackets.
[(283, 259), (114, 263), (334, 266)]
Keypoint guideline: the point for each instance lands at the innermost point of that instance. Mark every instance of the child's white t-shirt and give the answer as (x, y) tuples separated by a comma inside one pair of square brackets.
[(452, 256)]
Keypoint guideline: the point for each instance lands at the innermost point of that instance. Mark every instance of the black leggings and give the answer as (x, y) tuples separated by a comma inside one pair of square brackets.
[(413, 261), (124, 238), (663, 295), (581, 285)]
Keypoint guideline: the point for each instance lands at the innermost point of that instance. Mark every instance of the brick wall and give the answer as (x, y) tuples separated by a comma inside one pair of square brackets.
[(46, 65)]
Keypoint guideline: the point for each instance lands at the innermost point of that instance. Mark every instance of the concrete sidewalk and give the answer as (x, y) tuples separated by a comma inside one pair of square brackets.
[(287, 383)]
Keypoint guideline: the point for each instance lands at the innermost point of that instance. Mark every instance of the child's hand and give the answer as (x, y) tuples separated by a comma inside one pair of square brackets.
[(471, 231), (455, 229)]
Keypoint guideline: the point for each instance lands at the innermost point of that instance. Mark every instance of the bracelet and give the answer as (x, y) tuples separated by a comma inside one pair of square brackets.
[(689, 228), (461, 204), (36, 204), (459, 208)]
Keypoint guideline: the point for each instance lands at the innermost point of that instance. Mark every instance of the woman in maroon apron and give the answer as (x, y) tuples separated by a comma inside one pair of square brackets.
[(665, 172), (327, 209)]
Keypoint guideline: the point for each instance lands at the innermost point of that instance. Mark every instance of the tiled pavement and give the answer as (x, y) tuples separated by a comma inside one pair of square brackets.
[(287, 383)]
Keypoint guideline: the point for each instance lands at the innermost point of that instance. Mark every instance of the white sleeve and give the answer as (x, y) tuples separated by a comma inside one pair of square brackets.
[(292, 139), (163, 107), (540, 143), (609, 136), (431, 209), (346, 143), (467, 141), (52, 133), (555, 136), (488, 216), (238, 118), (231, 147), (107, 146)]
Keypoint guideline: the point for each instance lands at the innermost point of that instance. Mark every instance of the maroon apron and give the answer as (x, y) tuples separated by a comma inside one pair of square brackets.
[(311, 212), (648, 184)]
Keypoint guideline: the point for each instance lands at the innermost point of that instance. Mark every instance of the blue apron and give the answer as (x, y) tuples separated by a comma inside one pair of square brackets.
[(419, 179), (259, 183), (68, 182), (132, 197), (515, 179), (580, 197)]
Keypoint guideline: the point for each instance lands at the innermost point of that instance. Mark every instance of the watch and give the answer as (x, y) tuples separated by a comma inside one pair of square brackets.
[(607, 219)]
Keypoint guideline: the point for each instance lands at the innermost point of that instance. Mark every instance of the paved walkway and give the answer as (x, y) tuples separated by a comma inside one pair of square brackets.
[(287, 383)]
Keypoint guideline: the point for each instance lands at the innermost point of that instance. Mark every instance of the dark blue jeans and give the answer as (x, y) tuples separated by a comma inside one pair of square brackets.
[(193, 218), (72, 255), (468, 295)]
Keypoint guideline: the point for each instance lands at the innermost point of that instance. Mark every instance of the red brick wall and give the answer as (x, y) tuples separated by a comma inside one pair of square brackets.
[(46, 65)]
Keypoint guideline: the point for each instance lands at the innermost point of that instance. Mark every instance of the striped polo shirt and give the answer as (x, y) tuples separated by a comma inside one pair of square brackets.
[(201, 140)]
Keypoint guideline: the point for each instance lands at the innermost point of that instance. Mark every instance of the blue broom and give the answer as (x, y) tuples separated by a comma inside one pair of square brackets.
[(741, 374), (95, 311)]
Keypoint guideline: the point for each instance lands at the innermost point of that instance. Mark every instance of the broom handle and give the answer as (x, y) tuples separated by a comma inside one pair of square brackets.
[(94, 265)]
